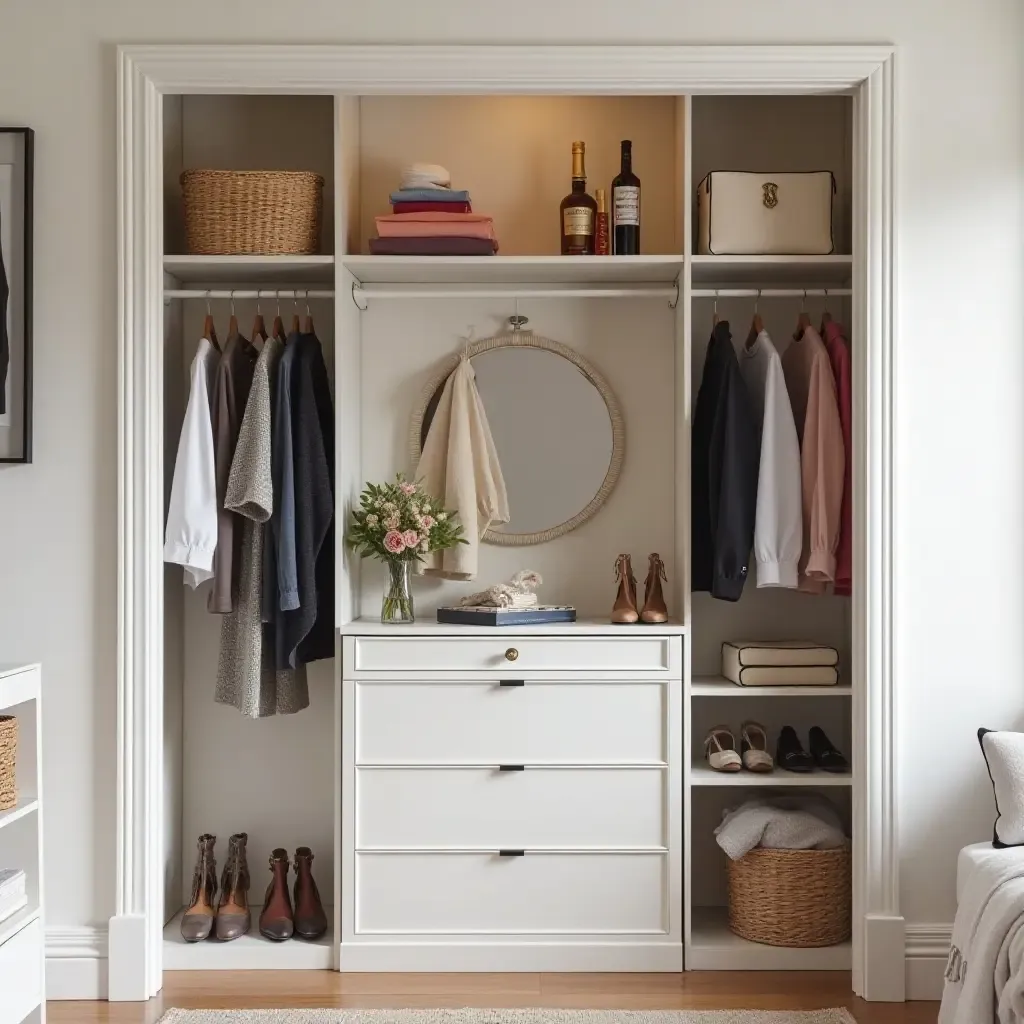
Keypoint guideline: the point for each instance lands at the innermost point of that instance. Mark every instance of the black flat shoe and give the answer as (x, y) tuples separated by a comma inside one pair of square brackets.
[(825, 755), (790, 755)]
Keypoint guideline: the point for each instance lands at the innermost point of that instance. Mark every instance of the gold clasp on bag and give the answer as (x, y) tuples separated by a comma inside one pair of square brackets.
[(771, 194)]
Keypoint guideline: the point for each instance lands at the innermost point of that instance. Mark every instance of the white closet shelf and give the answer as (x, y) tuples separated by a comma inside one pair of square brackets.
[(249, 270), (18, 685), (702, 775), (250, 952), (371, 626), (719, 686), (10, 926), (25, 805), (513, 271), (713, 947), (771, 271)]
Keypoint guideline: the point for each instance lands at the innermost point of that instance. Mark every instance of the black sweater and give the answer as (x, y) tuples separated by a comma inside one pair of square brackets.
[(725, 451)]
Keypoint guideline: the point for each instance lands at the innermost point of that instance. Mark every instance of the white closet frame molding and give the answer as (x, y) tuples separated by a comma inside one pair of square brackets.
[(146, 73)]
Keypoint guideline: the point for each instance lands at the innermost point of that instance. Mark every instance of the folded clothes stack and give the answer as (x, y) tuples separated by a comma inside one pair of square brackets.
[(430, 218), (780, 663)]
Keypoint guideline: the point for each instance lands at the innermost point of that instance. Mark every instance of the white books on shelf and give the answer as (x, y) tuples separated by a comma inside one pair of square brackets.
[(12, 892), (780, 663)]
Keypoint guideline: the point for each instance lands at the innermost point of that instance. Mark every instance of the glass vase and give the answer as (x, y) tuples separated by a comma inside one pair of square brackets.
[(396, 607)]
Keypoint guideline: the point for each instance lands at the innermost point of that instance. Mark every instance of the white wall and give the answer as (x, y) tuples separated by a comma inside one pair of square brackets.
[(960, 370)]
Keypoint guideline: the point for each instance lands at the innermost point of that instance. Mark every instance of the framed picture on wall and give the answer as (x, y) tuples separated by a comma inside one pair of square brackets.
[(16, 145)]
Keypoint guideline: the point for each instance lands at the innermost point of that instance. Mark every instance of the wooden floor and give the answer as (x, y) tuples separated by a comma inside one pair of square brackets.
[(698, 990)]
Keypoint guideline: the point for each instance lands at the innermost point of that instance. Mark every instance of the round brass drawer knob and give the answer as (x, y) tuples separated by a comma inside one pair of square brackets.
[(511, 654)]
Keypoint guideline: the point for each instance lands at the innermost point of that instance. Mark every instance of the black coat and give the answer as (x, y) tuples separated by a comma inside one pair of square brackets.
[(725, 455)]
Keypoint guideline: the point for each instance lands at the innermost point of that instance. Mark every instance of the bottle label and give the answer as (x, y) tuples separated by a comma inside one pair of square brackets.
[(626, 204), (578, 220)]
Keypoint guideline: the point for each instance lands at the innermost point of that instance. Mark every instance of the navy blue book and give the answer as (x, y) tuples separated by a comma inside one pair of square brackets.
[(483, 615)]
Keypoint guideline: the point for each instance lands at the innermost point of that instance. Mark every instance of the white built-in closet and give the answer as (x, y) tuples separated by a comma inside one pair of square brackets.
[(278, 779)]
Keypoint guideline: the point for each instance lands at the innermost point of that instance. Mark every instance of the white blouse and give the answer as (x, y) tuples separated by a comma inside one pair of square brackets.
[(191, 536)]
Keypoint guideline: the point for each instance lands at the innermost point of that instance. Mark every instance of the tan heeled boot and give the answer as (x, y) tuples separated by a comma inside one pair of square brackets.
[(624, 611), (654, 599), (233, 915), (197, 921)]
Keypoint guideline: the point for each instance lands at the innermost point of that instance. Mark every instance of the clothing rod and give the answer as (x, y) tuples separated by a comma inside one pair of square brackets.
[(531, 292), (767, 293), (238, 293)]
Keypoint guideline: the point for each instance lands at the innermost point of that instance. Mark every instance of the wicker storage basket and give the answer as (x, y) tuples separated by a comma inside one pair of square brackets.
[(252, 213), (791, 897), (8, 755)]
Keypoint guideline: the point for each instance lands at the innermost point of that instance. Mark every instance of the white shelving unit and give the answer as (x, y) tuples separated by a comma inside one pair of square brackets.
[(719, 686), (702, 775), (771, 271), (252, 270), (22, 957)]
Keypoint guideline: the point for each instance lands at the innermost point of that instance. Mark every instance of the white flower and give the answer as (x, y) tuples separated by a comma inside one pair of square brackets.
[(389, 506), (442, 516), (377, 502), (424, 546), (371, 520), (391, 523), (414, 509)]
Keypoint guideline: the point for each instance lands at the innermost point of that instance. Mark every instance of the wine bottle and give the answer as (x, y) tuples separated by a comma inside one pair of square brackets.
[(578, 211), (602, 238), (626, 206)]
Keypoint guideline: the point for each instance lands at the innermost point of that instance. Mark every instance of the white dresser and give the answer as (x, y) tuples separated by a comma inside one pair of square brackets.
[(511, 801)]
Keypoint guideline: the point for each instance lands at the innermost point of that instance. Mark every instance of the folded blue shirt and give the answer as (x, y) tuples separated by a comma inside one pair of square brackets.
[(430, 195)]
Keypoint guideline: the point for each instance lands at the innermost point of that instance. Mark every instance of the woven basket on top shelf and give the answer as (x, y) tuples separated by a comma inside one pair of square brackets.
[(8, 755), (252, 213), (791, 897)]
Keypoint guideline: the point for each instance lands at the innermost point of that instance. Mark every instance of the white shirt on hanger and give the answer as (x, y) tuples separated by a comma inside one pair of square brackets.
[(191, 536), (778, 521)]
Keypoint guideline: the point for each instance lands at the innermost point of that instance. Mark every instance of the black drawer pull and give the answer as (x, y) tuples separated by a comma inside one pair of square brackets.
[(511, 767), (511, 853), (512, 682)]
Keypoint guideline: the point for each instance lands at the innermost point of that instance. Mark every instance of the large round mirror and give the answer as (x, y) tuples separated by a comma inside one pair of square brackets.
[(556, 427)]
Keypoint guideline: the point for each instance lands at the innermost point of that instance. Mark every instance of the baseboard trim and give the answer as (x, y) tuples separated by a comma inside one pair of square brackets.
[(76, 963), (926, 954)]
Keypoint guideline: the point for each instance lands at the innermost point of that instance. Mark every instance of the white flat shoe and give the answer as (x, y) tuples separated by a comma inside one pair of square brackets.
[(754, 744), (720, 750)]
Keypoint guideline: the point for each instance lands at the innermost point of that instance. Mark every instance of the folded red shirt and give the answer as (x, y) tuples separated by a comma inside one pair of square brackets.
[(432, 207)]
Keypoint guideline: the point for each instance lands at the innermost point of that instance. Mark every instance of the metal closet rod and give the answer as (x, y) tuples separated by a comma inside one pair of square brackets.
[(239, 293), (767, 293)]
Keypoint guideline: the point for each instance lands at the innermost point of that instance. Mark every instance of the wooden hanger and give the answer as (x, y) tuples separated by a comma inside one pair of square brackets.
[(259, 329), (803, 321), (278, 322), (233, 322), (295, 316), (756, 324), (309, 317), (209, 331)]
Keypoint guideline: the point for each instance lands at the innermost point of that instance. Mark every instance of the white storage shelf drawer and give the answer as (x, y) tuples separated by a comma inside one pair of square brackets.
[(482, 722), (21, 974), (515, 655), (485, 893), (494, 808)]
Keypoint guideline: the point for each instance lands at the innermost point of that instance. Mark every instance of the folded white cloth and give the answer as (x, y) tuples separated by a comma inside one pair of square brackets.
[(516, 593), (459, 464), (984, 971), (780, 823), (425, 176)]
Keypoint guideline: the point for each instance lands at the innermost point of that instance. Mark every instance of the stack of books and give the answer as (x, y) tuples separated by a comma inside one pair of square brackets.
[(780, 663), (430, 218), (13, 896)]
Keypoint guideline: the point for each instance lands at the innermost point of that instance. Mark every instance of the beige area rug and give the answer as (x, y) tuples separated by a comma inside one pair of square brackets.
[(472, 1016)]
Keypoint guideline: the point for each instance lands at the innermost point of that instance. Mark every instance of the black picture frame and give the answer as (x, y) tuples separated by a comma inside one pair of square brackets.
[(17, 156)]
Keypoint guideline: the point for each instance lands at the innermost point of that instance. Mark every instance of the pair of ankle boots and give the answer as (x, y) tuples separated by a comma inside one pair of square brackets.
[(624, 611), (231, 917)]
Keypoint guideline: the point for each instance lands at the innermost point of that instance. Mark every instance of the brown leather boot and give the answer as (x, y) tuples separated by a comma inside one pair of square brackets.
[(654, 599), (277, 922), (233, 915), (624, 610), (197, 921), (310, 919)]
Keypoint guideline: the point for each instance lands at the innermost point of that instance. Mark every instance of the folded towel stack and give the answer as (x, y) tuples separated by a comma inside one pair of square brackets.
[(430, 218), (780, 663)]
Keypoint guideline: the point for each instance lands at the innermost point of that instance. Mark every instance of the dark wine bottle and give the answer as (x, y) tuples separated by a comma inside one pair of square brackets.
[(626, 206)]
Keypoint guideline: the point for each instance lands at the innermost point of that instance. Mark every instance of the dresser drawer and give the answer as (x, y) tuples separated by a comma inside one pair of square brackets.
[(21, 974), (516, 655), (481, 722), (483, 893), (491, 808)]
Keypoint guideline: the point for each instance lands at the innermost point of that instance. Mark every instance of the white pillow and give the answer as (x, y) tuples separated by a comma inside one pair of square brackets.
[(1004, 755)]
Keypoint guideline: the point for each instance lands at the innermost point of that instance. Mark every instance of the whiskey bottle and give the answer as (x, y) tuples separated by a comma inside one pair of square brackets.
[(578, 211), (602, 239), (626, 206)]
